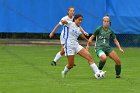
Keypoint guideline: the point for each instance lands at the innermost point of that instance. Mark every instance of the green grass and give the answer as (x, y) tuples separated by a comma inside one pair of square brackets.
[(27, 69)]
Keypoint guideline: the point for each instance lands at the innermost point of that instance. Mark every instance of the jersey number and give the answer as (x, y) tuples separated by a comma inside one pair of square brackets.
[(104, 41)]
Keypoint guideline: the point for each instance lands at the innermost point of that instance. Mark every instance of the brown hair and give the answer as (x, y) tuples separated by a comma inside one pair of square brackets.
[(70, 8), (77, 16)]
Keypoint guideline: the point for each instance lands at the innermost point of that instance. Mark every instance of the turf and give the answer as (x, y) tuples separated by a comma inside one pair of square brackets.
[(27, 69)]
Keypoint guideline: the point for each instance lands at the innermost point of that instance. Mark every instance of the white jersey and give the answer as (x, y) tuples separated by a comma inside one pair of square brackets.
[(64, 30), (71, 43), (72, 33)]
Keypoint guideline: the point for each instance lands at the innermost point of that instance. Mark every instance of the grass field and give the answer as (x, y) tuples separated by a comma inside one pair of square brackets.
[(27, 69)]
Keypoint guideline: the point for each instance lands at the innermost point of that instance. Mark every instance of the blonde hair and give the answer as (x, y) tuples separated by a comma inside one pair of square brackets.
[(106, 17)]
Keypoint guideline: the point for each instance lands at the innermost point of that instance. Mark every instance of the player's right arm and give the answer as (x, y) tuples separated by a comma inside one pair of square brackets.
[(65, 22), (56, 27), (54, 30), (93, 36), (90, 39)]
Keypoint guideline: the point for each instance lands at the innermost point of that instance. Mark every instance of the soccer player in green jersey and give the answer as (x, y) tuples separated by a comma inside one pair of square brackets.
[(102, 47)]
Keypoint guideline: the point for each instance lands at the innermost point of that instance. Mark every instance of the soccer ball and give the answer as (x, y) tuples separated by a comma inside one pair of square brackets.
[(100, 74)]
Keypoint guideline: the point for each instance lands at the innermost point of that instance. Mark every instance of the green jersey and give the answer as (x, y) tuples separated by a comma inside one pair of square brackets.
[(103, 36)]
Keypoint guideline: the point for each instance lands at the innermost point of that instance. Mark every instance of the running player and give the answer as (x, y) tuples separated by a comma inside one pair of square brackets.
[(72, 46), (69, 17), (102, 47)]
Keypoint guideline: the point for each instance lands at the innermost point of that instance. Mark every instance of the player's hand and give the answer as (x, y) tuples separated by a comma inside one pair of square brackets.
[(85, 33), (121, 50), (64, 21), (87, 47), (89, 41), (51, 34)]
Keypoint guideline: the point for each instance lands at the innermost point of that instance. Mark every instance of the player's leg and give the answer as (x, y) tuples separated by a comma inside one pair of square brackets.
[(113, 55), (58, 56), (69, 52), (68, 66), (103, 58), (84, 53), (60, 53)]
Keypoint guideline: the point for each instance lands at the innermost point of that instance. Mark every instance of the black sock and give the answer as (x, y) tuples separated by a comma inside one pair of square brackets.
[(118, 69), (101, 65)]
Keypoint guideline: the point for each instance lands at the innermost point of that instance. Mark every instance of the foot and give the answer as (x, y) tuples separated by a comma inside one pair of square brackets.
[(53, 63), (103, 73), (63, 74), (100, 74), (118, 76), (74, 65)]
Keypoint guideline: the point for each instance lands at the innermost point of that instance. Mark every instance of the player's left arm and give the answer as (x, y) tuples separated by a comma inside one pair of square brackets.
[(83, 31), (118, 45), (116, 42), (83, 37)]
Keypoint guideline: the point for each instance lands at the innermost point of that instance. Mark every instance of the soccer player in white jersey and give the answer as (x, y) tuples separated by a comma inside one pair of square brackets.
[(72, 46), (69, 17)]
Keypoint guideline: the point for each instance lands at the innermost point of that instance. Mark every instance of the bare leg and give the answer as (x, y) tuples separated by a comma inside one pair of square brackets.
[(84, 53), (113, 55), (62, 50), (68, 66), (70, 61), (102, 61)]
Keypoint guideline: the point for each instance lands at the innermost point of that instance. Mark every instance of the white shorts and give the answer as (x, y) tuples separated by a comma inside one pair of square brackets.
[(62, 40), (72, 50)]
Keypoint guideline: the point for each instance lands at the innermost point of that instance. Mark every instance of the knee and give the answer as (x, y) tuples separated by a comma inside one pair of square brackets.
[(118, 62), (103, 58)]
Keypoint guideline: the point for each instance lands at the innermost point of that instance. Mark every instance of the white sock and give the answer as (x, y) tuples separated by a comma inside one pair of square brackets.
[(66, 70), (58, 56), (94, 68)]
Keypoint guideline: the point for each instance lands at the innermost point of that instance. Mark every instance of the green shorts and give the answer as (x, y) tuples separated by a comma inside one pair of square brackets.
[(106, 50)]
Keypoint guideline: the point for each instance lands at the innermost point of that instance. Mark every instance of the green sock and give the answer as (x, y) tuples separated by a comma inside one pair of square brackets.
[(118, 69), (101, 65)]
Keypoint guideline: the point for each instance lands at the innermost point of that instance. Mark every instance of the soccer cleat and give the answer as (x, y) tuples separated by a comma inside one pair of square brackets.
[(118, 76), (63, 74), (53, 63)]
